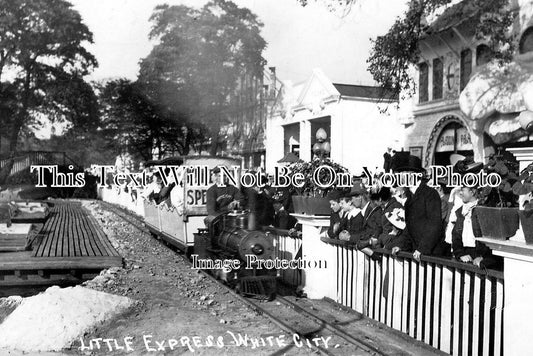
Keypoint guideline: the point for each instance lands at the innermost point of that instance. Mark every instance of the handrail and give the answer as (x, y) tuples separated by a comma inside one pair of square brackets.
[(277, 231), (424, 258)]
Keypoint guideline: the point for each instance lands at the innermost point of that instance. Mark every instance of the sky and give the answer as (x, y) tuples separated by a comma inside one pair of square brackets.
[(299, 38)]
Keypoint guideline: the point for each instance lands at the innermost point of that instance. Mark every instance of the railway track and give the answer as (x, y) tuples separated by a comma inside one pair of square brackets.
[(309, 326)]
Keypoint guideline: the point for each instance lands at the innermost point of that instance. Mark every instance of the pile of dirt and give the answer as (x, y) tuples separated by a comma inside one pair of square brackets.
[(52, 320)]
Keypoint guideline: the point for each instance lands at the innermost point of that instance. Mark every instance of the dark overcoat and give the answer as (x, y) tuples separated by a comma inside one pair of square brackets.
[(372, 226), (352, 222), (334, 218), (423, 220), (387, 241), (402, 240), (389, 208)]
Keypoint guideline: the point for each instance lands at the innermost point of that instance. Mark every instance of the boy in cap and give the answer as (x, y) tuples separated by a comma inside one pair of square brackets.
[(351, 220), (334, 197)]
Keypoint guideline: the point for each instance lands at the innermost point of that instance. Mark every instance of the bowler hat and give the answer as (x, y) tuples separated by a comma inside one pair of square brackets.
[(467, 165), (334, 195), (357, 189), (413, 164)]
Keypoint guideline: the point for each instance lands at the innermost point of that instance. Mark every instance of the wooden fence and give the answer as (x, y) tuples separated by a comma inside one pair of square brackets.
[(125, 199), (23, 160), (452, 306)]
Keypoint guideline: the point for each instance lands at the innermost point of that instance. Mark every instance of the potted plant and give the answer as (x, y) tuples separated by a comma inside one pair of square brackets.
[(498, 206), (311, 198)]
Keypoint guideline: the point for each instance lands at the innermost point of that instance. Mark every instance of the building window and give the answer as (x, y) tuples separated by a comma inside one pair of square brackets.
[(291, 138), (526, 42), (423, 82), (483, 54), (437, 78), (320, 123), (466, 67)]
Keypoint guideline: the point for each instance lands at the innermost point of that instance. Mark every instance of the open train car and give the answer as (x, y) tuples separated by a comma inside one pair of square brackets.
[(164, 219)]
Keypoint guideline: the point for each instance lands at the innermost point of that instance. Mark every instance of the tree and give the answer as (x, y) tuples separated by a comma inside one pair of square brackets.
[(137, 118), (202, 56), (392, 54), (42, 65), (340, 7)]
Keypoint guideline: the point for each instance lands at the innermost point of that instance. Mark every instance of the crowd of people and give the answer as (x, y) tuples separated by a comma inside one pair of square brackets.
[(418, 219)]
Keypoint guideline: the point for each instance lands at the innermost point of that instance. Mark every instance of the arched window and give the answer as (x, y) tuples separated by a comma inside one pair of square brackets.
[(526, 41), (454, 138), (483, 54)]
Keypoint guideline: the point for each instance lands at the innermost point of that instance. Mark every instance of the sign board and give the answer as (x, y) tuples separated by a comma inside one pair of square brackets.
[(195, 195), (446, 141), (463, 140)]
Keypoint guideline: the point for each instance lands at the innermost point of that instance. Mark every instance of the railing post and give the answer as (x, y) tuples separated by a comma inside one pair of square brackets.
[(518, 292), (320, 269)]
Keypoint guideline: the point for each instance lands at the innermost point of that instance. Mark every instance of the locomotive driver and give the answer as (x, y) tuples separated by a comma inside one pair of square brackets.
[(222, 198)]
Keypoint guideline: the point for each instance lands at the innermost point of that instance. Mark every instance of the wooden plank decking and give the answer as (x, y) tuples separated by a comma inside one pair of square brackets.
[(70, 232), (70, 240)]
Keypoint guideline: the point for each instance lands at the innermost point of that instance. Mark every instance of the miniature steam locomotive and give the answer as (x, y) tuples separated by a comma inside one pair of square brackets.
[(231, 246), (221, 244)]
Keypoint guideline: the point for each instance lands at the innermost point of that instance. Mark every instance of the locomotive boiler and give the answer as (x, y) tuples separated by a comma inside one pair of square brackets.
[(232, 236)]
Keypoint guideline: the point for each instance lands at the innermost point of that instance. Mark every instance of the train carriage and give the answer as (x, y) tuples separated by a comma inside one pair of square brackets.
[(164, 219)]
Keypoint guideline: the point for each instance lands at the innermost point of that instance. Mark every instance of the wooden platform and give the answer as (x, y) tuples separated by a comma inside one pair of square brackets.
[(70, 246), (71, 232)]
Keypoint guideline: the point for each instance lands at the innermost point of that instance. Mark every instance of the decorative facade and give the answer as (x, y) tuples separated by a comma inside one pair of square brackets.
[(358, 132), (441, 123)]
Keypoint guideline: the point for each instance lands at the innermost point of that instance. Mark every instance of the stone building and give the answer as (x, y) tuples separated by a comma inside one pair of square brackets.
[(441, 123)]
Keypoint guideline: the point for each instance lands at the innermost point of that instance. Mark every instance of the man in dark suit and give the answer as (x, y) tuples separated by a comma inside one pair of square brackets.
[(372, 220), (423, 214)]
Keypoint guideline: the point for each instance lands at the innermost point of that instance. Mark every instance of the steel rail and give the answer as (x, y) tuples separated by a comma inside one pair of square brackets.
[(331, 327), (255, 306)]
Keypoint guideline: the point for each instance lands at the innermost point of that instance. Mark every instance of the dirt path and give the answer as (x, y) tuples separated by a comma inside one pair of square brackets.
[(180, 309)]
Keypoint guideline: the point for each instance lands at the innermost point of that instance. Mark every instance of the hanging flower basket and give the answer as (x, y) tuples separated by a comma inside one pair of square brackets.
[(310, 205), (311, 198)]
